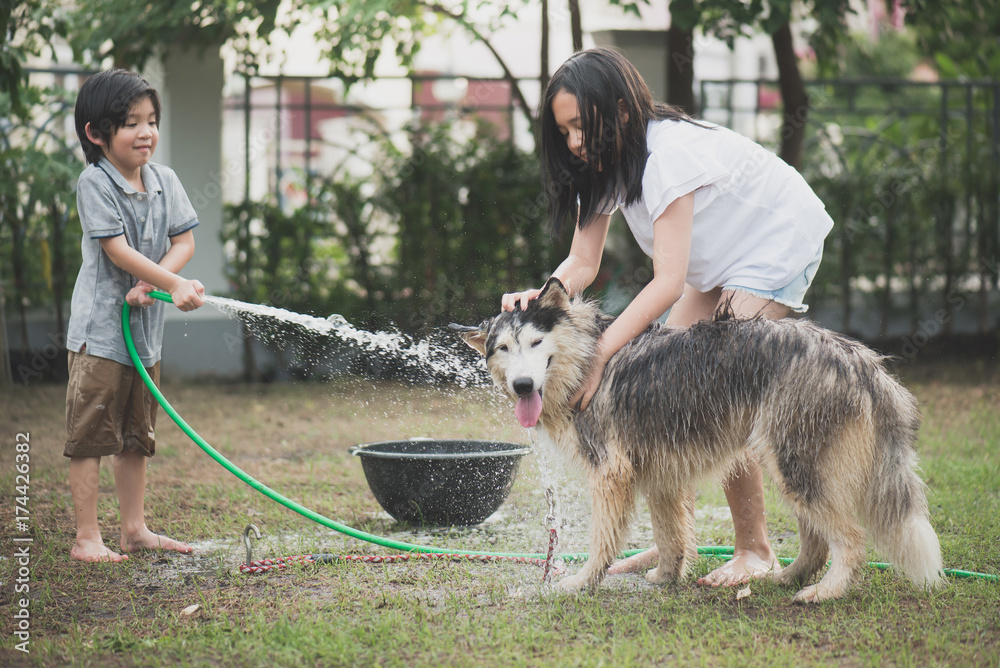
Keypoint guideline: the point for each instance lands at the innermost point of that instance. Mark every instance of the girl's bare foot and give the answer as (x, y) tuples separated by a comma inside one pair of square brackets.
[(147, 540), (743, 567), (94, 551)]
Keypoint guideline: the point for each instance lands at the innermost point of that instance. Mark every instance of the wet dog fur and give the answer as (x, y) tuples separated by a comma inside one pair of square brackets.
[(676, 406)]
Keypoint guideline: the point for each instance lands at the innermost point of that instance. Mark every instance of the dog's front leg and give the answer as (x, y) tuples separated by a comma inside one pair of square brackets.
[(672, 513), (612, 487)]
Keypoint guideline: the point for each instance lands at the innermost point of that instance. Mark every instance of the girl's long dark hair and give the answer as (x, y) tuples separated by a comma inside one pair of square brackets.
[(599, 78)]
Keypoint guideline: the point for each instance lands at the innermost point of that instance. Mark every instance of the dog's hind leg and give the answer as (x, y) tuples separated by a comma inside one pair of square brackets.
[(819, 453), (846, 539), (673, 532), (827, 511), (612, 488), (813, 552)]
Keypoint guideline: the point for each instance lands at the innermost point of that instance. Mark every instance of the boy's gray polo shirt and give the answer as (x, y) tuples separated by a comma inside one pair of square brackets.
[(108, 207)]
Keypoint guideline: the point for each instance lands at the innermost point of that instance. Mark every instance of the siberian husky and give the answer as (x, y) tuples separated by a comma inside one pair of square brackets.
[(833, 429)]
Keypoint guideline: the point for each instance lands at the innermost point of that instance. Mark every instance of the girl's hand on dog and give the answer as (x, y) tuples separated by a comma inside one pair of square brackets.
[(513, 300), (588, 389), (586, 392)]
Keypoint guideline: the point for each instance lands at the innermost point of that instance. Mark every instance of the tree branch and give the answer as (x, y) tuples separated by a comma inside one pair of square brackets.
[(507, 74)]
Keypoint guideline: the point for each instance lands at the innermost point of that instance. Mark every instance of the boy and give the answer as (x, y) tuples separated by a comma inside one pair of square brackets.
[(137, 233)]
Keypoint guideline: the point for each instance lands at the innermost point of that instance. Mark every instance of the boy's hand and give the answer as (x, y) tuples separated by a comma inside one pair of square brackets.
[(139, 295), (188, 295)]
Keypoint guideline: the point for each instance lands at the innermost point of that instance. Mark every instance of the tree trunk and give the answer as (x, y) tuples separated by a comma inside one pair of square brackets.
[(543, 69), (846, 273), (250, 372), (793, 96), (576, 25), (19, 234), (58, 262), (6, 375), (515, 88), (680, 58), (888, 270)]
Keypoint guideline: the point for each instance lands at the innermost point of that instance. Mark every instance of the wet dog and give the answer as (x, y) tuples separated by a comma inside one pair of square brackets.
[(833, 429)]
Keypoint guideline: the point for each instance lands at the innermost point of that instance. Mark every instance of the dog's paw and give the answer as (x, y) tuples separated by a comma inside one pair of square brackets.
[(811, 594), (576, 582), (658, 576)]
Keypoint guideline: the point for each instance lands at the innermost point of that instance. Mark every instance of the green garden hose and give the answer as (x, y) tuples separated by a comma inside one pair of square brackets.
[(710, 550)]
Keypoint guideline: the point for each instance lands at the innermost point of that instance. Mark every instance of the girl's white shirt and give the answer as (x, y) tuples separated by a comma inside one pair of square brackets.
[(757, 223)]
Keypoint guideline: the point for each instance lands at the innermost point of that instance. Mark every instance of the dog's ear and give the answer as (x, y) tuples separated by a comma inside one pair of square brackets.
[(554, 294), (474, 336)]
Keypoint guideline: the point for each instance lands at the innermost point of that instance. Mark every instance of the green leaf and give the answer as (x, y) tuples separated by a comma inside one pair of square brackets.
[(946, 66)]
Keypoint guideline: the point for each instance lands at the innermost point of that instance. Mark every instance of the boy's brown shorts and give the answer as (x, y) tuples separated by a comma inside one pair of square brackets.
[(108, 408)]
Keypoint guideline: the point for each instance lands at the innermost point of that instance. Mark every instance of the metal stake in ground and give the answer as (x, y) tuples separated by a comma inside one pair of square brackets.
[(550, 524)]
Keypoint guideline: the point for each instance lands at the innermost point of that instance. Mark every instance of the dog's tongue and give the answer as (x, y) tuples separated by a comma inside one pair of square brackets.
[(528, 409)]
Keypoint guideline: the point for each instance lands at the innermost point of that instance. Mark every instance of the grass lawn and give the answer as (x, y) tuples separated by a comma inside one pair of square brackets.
[(167, 609)]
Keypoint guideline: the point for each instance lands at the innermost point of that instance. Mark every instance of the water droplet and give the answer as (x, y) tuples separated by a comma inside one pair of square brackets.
[(338, 321)]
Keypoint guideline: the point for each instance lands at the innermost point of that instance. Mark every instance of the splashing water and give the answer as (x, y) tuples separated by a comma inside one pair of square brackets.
[(437, 355)]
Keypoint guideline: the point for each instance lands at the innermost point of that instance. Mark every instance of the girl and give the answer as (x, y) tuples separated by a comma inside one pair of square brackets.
[(724, 220)]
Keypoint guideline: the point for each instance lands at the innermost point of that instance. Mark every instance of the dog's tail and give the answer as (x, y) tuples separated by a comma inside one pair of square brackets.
[(897, 501)]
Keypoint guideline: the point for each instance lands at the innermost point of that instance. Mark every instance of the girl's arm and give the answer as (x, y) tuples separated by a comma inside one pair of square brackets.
[(671, 252), (186, 294), (580, 267)]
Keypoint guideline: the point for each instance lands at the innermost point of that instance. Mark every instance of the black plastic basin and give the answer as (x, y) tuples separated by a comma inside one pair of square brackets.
[(440, 482)]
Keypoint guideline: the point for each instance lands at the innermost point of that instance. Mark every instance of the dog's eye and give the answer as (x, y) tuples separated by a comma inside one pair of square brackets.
[(537, 343), (502, 347)]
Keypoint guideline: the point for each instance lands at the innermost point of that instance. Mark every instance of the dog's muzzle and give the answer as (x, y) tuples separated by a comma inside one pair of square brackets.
[(529, 401)]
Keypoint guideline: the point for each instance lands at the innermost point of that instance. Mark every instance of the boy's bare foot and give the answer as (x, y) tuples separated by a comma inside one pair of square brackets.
[(636, 563), (743, 567), (147, 540), (94, 551)]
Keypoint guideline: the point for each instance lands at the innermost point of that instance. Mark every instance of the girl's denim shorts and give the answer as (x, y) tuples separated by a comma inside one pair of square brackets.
[(792, 294)]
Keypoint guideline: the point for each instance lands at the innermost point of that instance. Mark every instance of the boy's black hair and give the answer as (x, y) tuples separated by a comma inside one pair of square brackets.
[(599, 78), (104, 101)]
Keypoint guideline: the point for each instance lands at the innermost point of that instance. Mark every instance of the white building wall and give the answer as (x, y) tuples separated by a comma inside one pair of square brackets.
[(191, 144), (203, 342)]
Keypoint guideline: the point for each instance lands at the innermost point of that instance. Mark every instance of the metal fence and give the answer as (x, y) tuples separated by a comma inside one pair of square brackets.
[(908, 169), (305, 125)]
